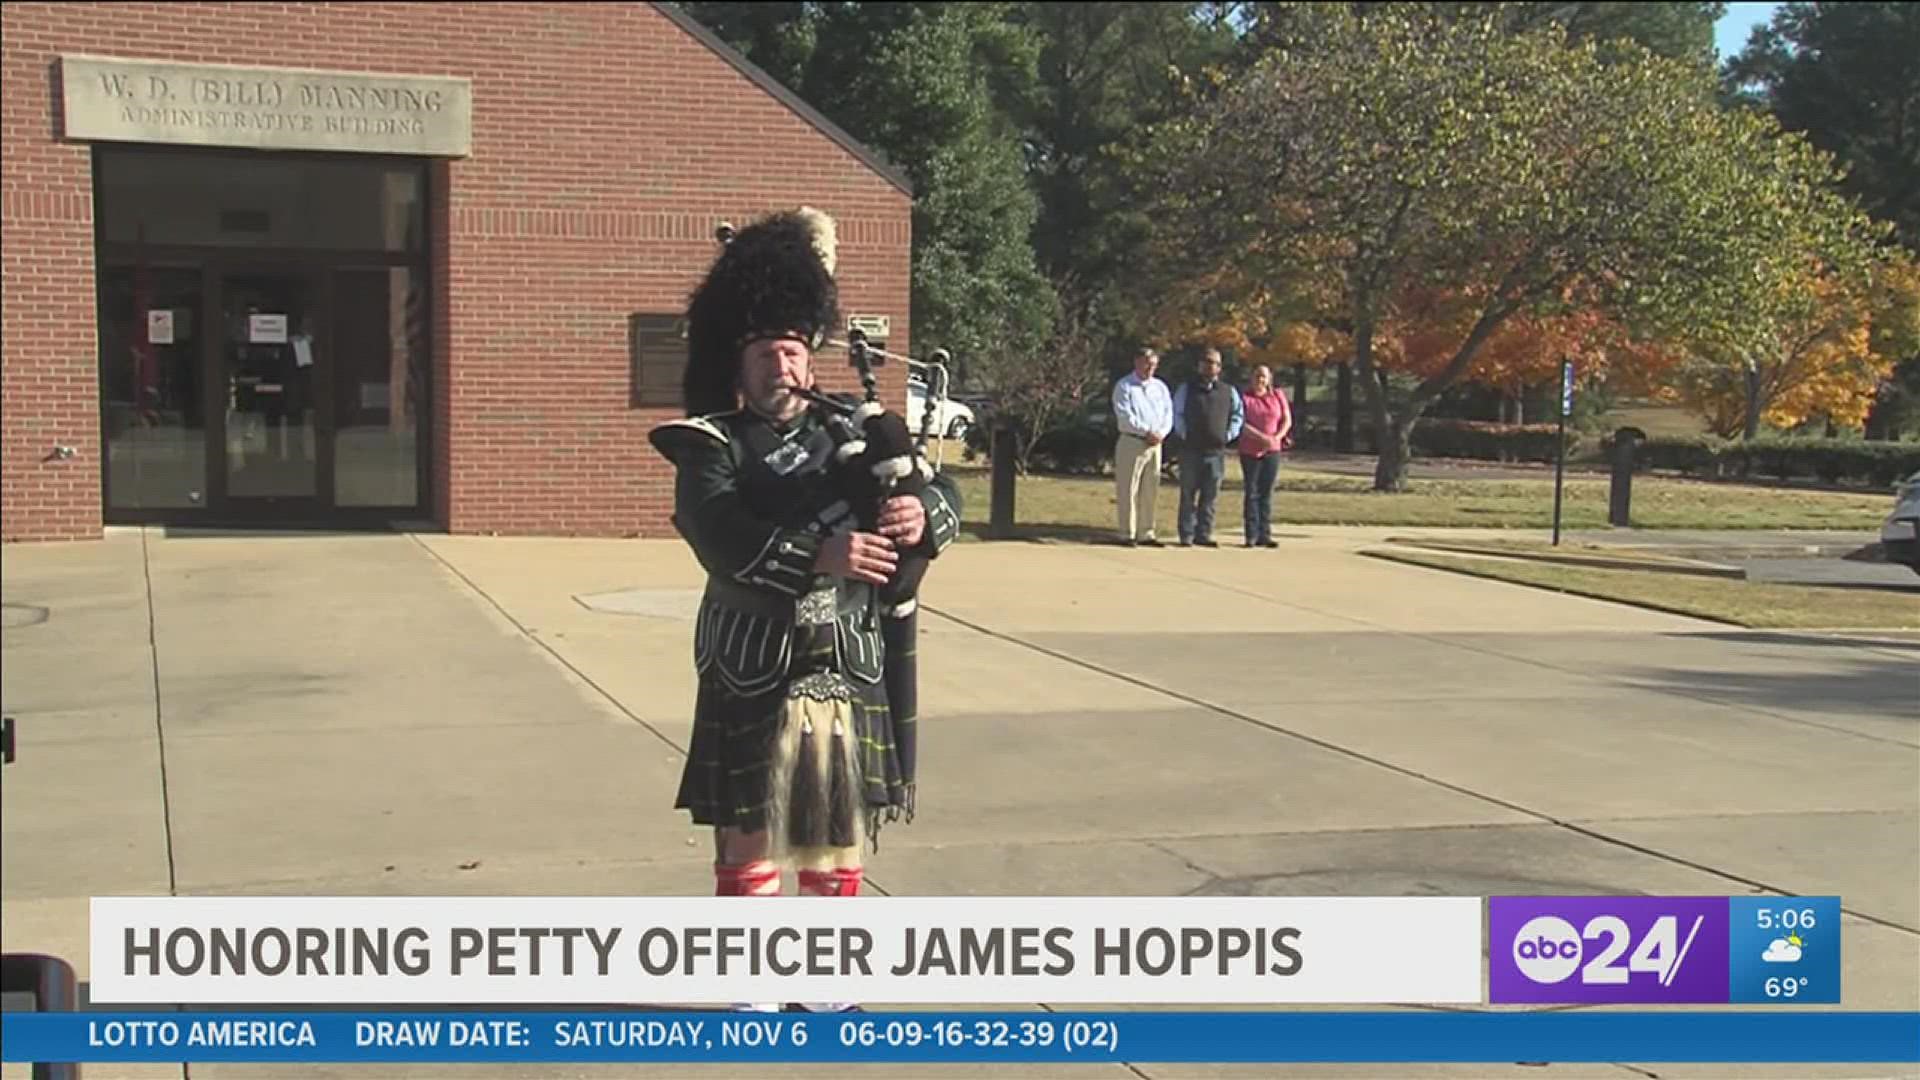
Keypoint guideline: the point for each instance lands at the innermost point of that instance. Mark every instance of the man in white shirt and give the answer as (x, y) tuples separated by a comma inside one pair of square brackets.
[(1143, 410)]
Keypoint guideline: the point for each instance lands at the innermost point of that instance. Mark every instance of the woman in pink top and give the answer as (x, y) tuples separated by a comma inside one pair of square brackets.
[(1268, 421)]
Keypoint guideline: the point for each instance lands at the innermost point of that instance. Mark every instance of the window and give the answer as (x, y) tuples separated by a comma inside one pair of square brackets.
[(659, 347), (209, 198)]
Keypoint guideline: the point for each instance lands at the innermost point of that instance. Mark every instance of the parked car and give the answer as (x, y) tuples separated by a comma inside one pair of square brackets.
[(950, 418), (1900, 533)]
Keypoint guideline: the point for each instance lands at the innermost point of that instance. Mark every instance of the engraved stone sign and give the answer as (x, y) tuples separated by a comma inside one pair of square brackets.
[(152, 101)]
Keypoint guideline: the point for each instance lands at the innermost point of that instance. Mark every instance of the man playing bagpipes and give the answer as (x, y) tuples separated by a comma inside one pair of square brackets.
[(798, 753)]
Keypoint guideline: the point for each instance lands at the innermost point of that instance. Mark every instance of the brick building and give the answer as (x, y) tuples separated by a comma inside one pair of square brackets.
[(357, 263)]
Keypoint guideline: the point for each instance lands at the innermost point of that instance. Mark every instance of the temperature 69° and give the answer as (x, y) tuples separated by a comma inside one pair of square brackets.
[(1785, 988)]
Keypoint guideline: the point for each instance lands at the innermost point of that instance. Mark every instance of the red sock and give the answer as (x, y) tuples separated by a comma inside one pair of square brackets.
[(842, 881), (758, 878)]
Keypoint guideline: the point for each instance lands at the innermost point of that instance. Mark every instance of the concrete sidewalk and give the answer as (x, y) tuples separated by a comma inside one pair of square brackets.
[(387, 714)]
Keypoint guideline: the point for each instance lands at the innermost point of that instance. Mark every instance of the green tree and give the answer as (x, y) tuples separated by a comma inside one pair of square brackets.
[(1105, 70), (1041, 385), (1680, 31), (1677, 30), (1847, 76), (1377, 156), (931, 86), (778, 37)]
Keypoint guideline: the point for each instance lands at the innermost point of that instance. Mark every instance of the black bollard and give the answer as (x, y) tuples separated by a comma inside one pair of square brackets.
[(1620, 494), (1002, 449)]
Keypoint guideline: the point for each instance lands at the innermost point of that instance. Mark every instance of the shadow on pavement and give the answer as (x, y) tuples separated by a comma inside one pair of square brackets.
[(1884, 639), (274, 532), (1080, 534), (1862, 684)]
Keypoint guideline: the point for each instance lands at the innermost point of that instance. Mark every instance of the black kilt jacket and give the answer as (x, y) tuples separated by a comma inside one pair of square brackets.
[(755, 501)]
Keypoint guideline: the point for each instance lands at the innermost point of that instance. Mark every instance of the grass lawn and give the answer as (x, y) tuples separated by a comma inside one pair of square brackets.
[(1759, 605), (1083, 506)]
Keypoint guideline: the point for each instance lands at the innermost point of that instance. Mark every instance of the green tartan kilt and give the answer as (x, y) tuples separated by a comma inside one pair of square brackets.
[(728, 779)]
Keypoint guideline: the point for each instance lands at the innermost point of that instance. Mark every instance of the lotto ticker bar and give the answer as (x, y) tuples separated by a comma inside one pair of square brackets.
[(474, 1037)]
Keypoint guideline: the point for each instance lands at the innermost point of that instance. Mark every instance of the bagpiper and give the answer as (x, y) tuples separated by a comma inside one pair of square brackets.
[(797, 756)]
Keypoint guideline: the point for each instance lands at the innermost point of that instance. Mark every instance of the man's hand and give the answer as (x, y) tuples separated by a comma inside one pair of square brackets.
[(1155, 440), (857, 556), (903, 519)]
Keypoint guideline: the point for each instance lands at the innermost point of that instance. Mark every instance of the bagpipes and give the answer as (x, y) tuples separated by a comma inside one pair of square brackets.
[(877, 459)]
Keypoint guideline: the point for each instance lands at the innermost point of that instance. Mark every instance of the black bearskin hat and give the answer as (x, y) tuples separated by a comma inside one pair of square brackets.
[(775, 279)]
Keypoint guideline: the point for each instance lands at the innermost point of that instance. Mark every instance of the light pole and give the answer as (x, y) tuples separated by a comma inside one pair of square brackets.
[(1560, 447)]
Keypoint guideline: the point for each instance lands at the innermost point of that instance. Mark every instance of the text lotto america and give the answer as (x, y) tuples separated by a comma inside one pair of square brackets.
[(715, 950)]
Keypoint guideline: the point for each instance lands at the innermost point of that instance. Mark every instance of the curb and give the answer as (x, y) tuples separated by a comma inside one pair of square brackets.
[(1393, 557), (1597, 562)]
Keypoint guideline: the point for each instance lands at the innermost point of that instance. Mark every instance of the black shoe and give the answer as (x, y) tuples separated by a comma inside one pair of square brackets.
[(1186, 543), (1151, 542), (1269, 544), (1208, 543)]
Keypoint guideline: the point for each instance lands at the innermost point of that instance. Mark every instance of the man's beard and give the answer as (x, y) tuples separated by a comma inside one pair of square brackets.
[(780, 402)]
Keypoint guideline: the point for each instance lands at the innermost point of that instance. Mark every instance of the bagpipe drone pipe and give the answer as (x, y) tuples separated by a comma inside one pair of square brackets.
[(878, 459)]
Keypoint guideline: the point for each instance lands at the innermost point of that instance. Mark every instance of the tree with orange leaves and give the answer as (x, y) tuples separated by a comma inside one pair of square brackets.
[(1388, 154), (1824, 357), (1424, 332)]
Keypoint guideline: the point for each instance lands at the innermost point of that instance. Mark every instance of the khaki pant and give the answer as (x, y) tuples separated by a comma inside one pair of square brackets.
[(1136, 476)]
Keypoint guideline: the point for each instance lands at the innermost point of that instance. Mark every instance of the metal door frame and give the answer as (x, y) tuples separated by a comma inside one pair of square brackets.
[(321, 264)]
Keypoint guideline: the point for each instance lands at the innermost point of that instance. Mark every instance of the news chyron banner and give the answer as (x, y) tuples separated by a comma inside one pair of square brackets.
[(690, 950), (455, 976), (982, 950)]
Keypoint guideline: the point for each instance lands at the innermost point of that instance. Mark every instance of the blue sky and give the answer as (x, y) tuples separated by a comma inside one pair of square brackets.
[(1730, 33)]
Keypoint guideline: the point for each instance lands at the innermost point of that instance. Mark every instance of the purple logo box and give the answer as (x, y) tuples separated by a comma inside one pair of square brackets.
[(1637, 950)]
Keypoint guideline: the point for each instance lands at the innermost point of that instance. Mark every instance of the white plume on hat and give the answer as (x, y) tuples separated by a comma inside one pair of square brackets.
[(825, 238)]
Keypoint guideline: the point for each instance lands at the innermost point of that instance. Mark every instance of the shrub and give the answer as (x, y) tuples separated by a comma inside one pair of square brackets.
[(1482, 441), (1859, 461), (1071, 449), (1079, 449)]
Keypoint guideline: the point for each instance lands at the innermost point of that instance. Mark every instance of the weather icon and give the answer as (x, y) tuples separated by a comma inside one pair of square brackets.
[(1784, 950)]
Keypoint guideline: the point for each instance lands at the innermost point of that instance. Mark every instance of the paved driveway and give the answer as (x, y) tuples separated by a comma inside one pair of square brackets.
[(434, 715)]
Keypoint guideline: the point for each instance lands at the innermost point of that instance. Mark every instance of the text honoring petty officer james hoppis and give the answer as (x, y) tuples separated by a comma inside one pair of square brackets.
[(310, 950), (266, 108), (842, 951)]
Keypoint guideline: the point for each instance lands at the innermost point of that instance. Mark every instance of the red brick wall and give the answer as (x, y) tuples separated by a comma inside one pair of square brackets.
[(607, 143)]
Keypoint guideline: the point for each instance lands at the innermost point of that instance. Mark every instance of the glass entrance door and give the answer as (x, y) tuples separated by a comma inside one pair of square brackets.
[(265, 335), (153, 387), (271, 361)]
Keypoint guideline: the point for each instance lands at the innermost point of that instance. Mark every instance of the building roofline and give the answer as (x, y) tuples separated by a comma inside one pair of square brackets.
[(868, 156)]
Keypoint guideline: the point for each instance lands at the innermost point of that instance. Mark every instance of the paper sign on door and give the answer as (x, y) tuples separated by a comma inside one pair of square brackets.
[(160, 327), (266, 329)]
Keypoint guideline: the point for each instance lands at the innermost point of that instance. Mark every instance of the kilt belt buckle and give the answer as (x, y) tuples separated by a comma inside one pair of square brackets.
[(821, 686)]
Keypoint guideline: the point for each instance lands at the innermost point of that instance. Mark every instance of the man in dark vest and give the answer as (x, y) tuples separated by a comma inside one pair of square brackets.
[(1207, 415)]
